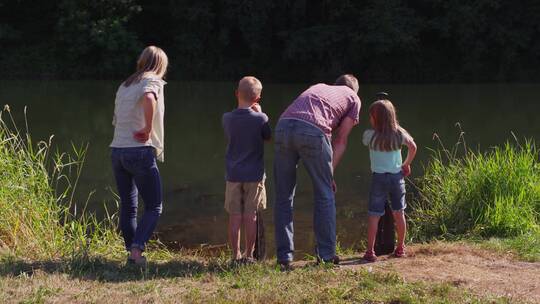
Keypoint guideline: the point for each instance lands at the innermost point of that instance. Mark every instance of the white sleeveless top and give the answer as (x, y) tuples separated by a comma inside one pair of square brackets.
[(129, 115)]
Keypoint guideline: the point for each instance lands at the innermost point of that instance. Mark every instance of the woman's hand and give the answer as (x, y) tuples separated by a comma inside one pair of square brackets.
[(142, 136)]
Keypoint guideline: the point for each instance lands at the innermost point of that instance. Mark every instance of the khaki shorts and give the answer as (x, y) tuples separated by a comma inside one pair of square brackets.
[(245, 197)]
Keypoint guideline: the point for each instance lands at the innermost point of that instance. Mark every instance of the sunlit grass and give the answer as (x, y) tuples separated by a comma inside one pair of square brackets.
[(195, 279), (38, 217), (53, 251), (481, 195), (527, 246)]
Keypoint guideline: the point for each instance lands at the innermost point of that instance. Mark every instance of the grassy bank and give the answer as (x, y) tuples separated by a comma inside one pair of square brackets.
[(492, 197), (52, 252), (192, 278), (38, 219)]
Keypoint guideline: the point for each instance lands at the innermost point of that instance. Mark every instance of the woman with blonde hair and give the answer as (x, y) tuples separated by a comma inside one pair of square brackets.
[(137, 144)]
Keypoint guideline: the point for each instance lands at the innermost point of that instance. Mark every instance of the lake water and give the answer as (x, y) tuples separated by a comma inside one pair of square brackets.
[(80, 112)]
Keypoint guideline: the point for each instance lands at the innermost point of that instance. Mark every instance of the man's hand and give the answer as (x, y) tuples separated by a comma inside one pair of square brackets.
[(406, 169), (256, 107), (142, 136), (334, 186)]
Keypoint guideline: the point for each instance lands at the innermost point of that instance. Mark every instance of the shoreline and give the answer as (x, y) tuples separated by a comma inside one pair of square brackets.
[(446, 272)]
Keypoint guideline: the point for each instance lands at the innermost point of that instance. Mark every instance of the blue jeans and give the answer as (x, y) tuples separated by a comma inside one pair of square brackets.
[(384, 186), (295, 140), (135, 170)]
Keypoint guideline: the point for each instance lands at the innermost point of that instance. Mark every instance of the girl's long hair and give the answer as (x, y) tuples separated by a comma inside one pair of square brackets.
[(388, 133), (152, 60)]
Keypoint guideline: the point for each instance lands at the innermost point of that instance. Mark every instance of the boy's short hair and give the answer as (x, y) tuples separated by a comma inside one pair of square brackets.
[(348, 80), (250, 87)]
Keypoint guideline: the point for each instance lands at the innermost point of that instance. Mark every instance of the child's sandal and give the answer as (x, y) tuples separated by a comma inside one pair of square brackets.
[(140, 262), (370, 256), (400, 252)]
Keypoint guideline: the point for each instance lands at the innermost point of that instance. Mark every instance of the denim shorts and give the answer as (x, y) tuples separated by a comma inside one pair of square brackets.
[(383, 187)]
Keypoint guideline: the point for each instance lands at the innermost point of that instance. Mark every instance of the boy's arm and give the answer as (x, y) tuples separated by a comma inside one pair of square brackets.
[(256, 107), (266, 131)]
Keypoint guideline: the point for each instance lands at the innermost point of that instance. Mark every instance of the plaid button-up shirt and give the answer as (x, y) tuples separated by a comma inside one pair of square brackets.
[(325, 106)]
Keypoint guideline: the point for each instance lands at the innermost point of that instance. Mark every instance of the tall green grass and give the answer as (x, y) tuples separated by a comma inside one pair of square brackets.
[(466, 193), (38, 217)]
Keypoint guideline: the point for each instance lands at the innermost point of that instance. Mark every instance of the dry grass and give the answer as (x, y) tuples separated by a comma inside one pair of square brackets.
[(435, 273), (50, 255), (484, 272)]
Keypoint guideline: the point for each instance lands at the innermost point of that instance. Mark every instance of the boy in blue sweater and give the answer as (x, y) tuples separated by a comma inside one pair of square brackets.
[(246, 129)]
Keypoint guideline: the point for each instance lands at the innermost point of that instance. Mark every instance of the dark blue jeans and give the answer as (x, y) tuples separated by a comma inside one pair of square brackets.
[(135, 170), (294, 141)]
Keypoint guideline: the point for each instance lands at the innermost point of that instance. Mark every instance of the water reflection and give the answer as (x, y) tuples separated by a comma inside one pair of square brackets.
[(193, 173)]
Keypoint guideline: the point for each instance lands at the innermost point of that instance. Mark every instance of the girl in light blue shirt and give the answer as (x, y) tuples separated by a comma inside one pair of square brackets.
[(384, 142)]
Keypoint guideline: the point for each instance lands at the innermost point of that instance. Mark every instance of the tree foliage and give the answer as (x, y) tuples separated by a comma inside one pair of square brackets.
[(95, 34), (389, 41)]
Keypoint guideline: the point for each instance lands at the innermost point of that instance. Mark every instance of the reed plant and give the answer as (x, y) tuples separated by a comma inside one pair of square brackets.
[(39, 219), (467, 193)]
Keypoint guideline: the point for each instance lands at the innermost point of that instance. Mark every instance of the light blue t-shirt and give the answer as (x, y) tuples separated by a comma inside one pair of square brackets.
[(384, 161)]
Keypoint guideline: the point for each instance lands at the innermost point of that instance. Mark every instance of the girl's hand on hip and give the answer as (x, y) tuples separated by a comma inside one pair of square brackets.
[(406, 169)]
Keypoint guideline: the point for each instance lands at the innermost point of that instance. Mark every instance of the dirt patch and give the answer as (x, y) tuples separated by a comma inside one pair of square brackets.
[(483, 272)]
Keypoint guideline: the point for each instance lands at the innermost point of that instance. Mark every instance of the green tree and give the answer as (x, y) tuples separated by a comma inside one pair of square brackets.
[(94, 34)]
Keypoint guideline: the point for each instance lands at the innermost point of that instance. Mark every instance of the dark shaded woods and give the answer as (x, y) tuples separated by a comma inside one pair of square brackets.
[(280, 41)]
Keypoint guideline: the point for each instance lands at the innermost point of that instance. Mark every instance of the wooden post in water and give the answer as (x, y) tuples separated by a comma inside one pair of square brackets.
[(385, 241)]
